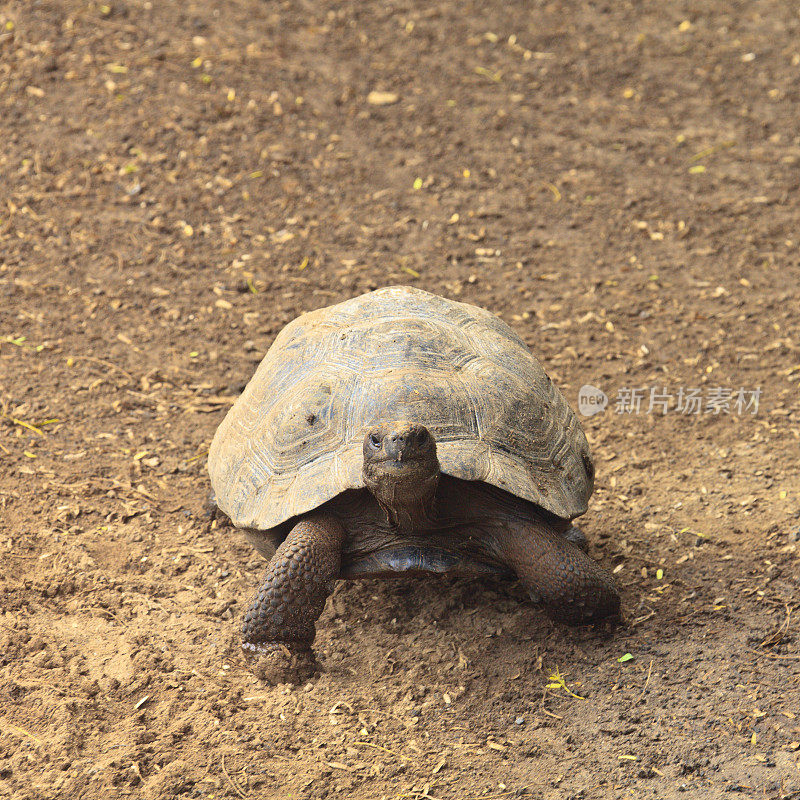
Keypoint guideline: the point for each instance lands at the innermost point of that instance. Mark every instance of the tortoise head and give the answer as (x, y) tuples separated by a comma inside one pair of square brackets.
[(402, 471)]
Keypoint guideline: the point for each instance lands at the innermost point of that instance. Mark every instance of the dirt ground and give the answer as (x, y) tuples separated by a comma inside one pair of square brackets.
[(618, 181)]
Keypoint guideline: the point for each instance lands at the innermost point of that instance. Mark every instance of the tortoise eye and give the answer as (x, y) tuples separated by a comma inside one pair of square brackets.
[(375, 440)]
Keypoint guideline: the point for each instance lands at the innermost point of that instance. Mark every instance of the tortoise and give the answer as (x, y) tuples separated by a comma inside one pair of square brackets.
[(399, 432)]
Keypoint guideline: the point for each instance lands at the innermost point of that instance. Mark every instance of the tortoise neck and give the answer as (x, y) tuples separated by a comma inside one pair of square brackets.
[(409, 505), (414, 516)]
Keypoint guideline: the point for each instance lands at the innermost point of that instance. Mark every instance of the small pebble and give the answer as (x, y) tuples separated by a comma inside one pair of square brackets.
[(519, 721)]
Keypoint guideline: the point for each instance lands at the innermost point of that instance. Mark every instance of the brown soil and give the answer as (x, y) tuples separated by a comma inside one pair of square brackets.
[(619, 181)]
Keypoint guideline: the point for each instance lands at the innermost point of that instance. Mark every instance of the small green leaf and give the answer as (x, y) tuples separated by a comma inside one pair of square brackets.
[(659, 574), (417, 183), (626, 657)]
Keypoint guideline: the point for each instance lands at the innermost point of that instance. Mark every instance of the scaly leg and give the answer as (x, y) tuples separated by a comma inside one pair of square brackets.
[(299, 578), (572, 586)]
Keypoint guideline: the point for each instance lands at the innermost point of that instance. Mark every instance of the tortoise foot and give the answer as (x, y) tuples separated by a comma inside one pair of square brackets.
[(280, 662), (601, 610)]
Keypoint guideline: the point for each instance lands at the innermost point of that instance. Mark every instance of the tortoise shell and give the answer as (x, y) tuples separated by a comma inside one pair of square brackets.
[(293, 439)]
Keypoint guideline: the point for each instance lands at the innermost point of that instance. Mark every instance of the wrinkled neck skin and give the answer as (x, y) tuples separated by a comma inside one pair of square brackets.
[(408, 499)]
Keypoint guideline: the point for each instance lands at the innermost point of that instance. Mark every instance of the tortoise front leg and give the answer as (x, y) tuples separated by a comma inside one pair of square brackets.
[(299, 578), (573, 587)]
